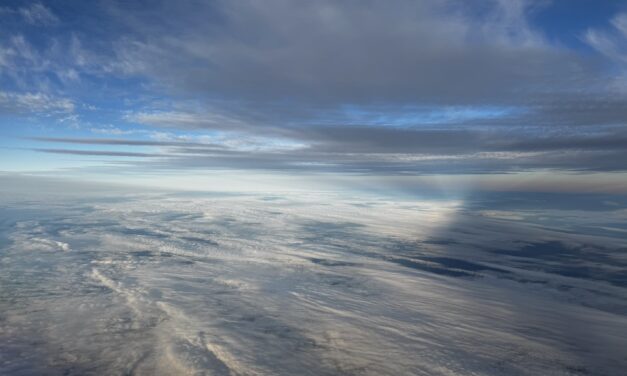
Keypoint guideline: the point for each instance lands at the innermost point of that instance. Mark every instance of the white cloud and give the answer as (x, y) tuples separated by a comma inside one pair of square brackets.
[(38, 14), (612, 43), (231, 283), (112, 130), (185, 120), (12, 102)]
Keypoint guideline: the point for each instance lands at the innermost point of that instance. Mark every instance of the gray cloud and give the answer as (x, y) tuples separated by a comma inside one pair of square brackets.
[(430, 51), (351, 86), (391, 150), (286, 70), (118, 141)]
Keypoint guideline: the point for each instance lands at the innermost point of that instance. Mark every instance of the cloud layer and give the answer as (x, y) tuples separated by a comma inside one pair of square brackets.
[(449, 87), (106, 282)]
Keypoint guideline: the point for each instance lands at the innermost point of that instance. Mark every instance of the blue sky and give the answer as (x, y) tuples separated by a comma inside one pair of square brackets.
[(189, 93)]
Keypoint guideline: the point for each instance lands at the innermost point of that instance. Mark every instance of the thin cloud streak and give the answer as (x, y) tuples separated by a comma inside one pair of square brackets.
[(98, 153)]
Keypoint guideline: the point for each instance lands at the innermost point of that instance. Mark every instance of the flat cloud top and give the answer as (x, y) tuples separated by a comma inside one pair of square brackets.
[(172, 284)]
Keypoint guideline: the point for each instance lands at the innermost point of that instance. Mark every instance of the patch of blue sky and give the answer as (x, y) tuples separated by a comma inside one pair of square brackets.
[(565, 22), (425, 116), (26, 161), (20, 151)]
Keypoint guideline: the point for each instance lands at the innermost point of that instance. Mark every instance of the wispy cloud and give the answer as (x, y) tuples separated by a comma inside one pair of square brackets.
[(105, 153), (119, 141), (12, 102), (38, 14), (34, 14)]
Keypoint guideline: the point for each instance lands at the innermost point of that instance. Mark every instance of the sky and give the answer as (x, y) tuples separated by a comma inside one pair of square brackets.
[(248, 95)]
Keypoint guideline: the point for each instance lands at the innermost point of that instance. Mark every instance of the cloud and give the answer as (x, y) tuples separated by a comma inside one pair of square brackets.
[(42, 103), (409, 88), (185, 120), (38, 14), (386, 151), (105, 153), (290, 72), (47, 244), (611, 42), (118, 141), (30, 76), (154, 275), (35, 14), (432, 52)]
